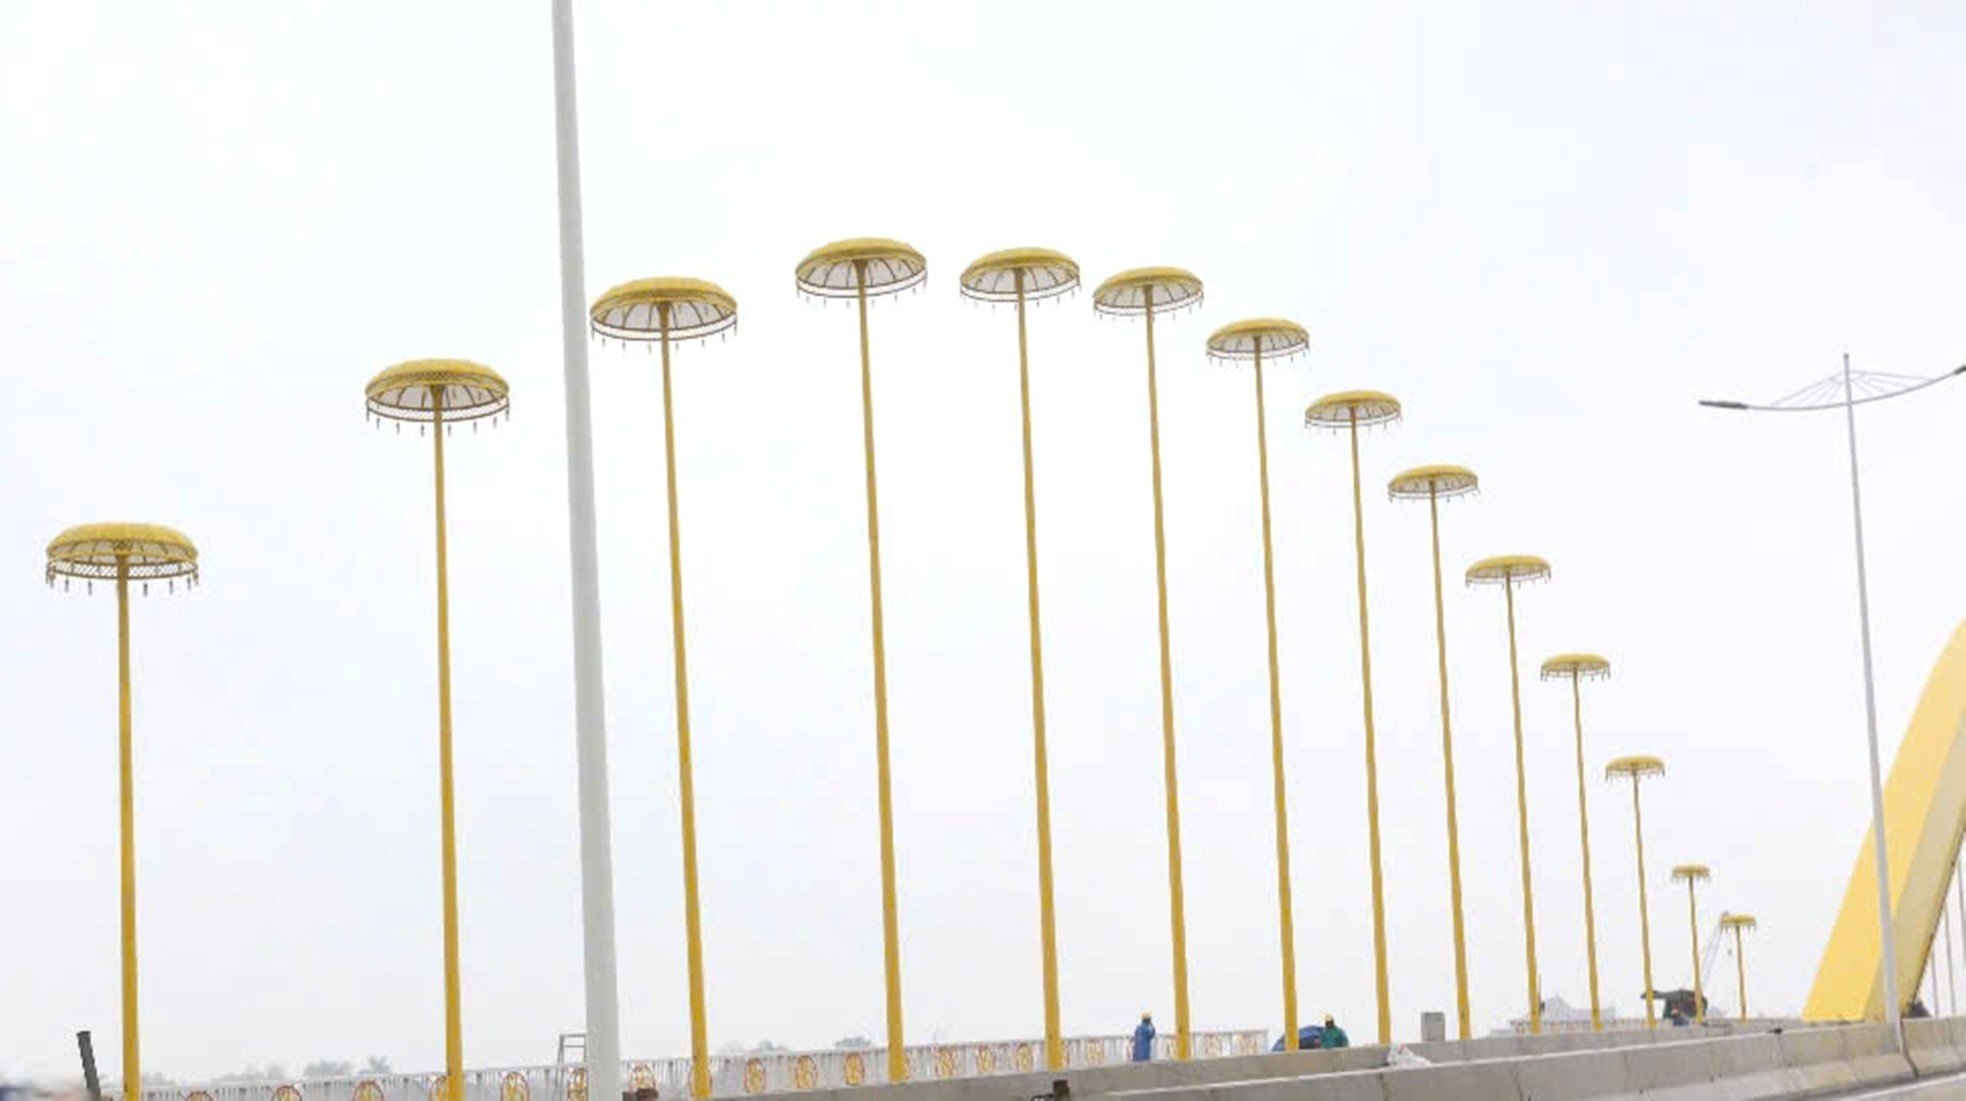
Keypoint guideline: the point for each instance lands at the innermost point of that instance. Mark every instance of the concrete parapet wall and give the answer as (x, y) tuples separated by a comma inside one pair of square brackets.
[(1666, 1065)]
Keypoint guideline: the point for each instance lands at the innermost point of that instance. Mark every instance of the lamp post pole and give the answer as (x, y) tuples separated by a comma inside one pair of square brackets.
[(602, 1005)]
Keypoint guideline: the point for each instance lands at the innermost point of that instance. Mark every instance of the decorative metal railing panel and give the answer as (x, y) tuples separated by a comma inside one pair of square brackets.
[(731, 1075)]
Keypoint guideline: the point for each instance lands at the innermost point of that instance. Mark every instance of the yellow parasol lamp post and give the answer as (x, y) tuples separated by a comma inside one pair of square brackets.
[(1635, 769), (861, 268), (1739, 923), (1145, 292), (1577, 668), (1509, 571), (1434, 484), (120, 554), (1021, 276), (1692, 875), (1347, 412), (664, 310), (439, 393), (1252, 341)]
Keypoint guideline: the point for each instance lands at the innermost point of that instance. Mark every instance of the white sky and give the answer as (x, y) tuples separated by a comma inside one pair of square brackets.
[(1547, 229)]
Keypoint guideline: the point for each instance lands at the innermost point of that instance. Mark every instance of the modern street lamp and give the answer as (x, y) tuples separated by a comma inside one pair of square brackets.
[(1021, 276), (664, 310), (1693, 875), (1348, 412), (1251, 341), (1143, 293), (1435, 484), (1636, 769), (1508, 571), (861, 268), (439, 393), (1846, 391), (122, 553), (1578, 668), (1740, 923)]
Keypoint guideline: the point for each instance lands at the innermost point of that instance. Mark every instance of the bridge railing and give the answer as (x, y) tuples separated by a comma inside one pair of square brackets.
[(731, 1075)]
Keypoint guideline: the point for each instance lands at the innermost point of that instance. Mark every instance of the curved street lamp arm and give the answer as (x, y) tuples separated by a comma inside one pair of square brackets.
[(1740, 406)]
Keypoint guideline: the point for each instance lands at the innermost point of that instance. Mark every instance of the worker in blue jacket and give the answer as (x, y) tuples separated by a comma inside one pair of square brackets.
[(1143, 1039)]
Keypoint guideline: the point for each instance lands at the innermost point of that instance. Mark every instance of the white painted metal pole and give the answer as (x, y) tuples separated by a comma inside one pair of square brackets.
[(590, 705), (1888, 942)]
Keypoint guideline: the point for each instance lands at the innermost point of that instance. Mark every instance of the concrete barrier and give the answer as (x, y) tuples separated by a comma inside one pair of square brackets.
[(1931, 1047), (1583, 1074), (1652, 1067)]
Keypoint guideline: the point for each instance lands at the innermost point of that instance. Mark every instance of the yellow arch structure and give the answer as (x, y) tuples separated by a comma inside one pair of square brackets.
[(1924, 815)]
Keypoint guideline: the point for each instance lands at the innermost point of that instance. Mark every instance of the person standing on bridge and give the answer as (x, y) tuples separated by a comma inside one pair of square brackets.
[(1143, 1039), (1333, 1035)]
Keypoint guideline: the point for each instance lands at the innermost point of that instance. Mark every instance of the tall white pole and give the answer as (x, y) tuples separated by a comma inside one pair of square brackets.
[(590, 705), (1887, 940)]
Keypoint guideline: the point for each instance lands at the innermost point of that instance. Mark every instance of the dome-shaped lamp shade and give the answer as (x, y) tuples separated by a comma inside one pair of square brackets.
[(1578, 666), (841, 269), (1508, 569), (1140, 291), (689, 309), (141, 552), (1045, 274), (1439, 480), (412, 391), (1352, 407), (1634, 767), (1272, 336)]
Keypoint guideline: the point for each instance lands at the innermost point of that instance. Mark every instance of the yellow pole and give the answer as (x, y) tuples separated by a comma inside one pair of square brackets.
[(1054, 1040), (699, 1042), (1741, 971), (1371, 752), (1693, 923), (453, 1019), (897, 1058), (1286, 927), (1447, 757), (132, 1061), (1644, 912), (1584, 831), (1174, 898), (1522, 820)]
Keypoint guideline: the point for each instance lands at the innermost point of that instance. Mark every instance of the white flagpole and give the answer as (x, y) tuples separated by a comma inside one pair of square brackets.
[(603, 1029)]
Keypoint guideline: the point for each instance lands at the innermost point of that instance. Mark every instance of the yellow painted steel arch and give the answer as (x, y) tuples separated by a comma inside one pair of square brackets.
[(1924, 814)]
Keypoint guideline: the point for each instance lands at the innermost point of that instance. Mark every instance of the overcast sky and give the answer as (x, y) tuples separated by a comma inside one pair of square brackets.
[(1546, 228)]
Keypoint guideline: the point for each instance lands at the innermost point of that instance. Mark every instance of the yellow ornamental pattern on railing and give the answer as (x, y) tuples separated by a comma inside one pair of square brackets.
[(748, 1074)]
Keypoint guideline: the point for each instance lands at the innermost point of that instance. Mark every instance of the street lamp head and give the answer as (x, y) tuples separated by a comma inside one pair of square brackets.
[(1742, 922), (994, 278), (877, 264), (688, 309), (1349, 408), (1576, 667), (1440, 481), (140, 552), (1712, 403), (1508, 569), (1634, 767), (413, 391), (1137, 292), (1273, 337), (1691, 873)]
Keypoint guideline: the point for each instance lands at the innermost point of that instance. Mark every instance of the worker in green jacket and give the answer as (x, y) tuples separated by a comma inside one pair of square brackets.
[(1333, 1035)]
